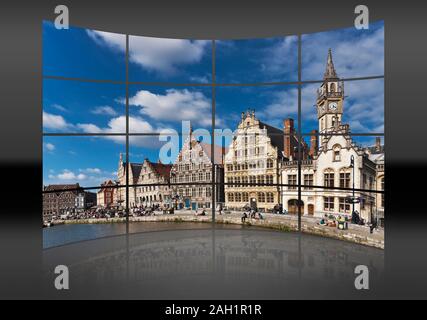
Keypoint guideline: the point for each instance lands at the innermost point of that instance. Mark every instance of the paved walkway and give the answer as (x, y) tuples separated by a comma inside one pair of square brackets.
[(355, 233)]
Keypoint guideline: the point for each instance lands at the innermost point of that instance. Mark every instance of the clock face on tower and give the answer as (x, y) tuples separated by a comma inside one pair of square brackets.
[(333, 106)]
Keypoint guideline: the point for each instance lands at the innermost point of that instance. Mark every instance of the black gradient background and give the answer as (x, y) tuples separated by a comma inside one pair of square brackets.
[(21, 111)]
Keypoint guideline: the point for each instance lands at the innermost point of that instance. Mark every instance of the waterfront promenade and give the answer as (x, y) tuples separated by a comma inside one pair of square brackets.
[(354, 233)]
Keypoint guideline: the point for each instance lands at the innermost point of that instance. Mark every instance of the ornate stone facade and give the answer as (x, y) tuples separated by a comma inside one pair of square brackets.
[(156, 175), (193, 169), (253, 158), (331, 164)]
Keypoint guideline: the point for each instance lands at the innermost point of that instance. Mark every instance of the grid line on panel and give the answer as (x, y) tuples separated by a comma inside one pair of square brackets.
[(83, 134), (190, 84), (299, 132), (214, 187), (127, 134), (304, 134), (350, 134), (304, 187)]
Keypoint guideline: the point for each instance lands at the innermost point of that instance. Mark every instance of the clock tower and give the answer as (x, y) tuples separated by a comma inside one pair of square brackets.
[(330, 98)]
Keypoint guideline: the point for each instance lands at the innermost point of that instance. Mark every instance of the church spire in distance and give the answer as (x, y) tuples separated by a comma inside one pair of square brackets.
[(330, 72)]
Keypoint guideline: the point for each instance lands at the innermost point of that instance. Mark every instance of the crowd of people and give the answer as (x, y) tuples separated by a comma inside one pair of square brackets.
[(341, 222)]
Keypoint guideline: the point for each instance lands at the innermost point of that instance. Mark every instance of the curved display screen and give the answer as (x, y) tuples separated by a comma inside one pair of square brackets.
[(143, 134)]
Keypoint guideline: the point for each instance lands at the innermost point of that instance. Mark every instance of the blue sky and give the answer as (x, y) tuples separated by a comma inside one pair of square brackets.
[(88, 107)]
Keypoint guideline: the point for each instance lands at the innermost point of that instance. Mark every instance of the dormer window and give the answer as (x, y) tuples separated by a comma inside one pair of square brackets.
[(336, 153)]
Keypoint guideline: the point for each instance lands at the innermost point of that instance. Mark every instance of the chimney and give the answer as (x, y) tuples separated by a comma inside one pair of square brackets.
[(288, 129), (378, 144), (314, 143)]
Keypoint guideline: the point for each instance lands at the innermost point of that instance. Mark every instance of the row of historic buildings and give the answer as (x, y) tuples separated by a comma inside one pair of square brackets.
[(191, 177), (61, 199), (260, 167), (332, 163)]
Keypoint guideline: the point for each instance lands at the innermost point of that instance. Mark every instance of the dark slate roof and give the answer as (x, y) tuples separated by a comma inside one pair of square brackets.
[(62, 187), (162, 169), (275, 135), (136, 169)]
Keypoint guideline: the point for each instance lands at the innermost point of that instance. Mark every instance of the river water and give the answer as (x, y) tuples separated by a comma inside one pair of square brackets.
[(68, 233)]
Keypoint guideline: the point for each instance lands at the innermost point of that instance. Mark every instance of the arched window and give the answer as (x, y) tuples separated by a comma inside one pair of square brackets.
[(231, 197), (245, 197), (332, 88), (336, 152), (245, 180)]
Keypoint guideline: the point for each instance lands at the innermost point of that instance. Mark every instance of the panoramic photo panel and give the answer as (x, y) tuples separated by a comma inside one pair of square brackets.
[(161, 109), (83, 53), (71, 164), (356, 53), (170, 60), (347, 107), (83, 107), (257, 60)]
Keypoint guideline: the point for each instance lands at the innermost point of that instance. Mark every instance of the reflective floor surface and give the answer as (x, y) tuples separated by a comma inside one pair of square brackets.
[(214, 263)]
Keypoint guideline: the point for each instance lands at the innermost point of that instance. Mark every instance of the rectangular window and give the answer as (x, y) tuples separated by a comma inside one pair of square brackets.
[(328, 203), (292, 181), (308, 181), (344, 180), (344, 205), (329, 179)]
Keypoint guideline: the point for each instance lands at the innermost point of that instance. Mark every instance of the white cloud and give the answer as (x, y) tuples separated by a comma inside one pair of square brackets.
[(92, 170), (165, 55), (174, 105), (55, 122), (49, 146), (155, 54), (104, 110), (59, 107), (201, 79), (69, 175), (118, 125), (114, 41)]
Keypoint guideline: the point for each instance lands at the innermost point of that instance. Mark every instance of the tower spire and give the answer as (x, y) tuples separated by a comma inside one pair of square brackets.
[(330, 72)]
